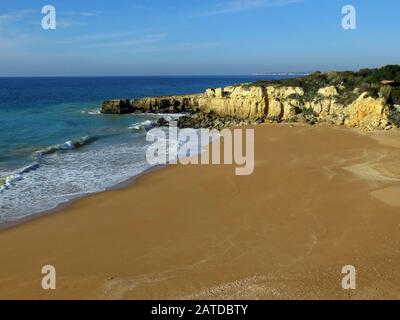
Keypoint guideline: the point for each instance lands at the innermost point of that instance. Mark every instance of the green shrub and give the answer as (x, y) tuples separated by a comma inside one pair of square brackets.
[(295, 96), (367, 80), (310, 115), (394, 116), (373, 93), (273, 119), (395, 96), (386, 91), (347, 97)]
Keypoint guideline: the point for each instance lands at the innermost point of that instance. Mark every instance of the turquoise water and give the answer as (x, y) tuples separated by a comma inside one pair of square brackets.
[(55, 145)]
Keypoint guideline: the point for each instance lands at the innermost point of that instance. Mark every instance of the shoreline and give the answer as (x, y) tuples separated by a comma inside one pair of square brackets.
[(200, 232), (61, 206), (64, 205), (129, 182)]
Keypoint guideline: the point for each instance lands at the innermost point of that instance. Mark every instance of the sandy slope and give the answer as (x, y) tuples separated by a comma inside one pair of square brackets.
[(320, 198)]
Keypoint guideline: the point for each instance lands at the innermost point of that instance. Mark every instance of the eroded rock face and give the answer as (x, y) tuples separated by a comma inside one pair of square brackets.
[(213, 120), (284, 102), (368, 113), (241, 102), (173, 104), (250, 104), (117, 107), (328, 92), (253, 101)]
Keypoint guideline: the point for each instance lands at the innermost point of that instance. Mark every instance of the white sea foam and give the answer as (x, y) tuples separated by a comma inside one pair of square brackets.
[(58, 177), (174, 144), (92, 111), (171, 116), (62, 176), (166, 116), (147, 124), (17, 175), (68, 145)]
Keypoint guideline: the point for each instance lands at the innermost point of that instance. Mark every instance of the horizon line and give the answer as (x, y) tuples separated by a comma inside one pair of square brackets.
[(158, 75)]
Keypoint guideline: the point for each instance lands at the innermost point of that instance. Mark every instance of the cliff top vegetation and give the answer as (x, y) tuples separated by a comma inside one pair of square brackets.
[(350, 84)]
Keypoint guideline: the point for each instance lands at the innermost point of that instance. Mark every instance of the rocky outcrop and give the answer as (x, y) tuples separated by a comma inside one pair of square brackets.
[(368, 113), (242, 102), (213, 120), (284, 102), (254, 104), (173, 104), (328, 92), (117, 107)]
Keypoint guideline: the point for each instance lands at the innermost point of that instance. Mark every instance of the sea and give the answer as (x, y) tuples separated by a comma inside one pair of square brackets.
[(56, 146)]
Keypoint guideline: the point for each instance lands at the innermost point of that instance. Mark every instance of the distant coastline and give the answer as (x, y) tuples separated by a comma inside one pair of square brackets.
[(285, 74)]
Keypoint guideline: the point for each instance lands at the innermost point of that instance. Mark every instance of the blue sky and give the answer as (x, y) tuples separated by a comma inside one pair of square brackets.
[(195, 37)]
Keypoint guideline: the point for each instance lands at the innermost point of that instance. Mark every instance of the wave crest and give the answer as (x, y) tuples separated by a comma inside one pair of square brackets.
[(68, 145), (147, 124), (9, 180), (92, 111)]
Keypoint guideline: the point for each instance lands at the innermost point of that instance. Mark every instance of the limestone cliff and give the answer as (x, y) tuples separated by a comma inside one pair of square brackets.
[(242, 102), (368, 113), (172, 104), (117, 107), (278, 103)]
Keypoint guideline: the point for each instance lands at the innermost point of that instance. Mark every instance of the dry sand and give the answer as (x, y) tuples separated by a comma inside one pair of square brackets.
[(320, 198)]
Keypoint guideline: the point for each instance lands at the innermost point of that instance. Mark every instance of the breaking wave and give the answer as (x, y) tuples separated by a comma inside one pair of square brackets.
[(147, 124), (17, 175), (92, 111), (68, 145)]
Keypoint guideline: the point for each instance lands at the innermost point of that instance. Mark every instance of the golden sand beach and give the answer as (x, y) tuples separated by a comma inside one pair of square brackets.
[(320, 198)]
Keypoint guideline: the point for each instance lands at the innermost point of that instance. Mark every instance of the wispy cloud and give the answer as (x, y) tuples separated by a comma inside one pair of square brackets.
[(16, 42), (115, 39), (129, 42), (11, 37), (14, 16), (64, 19), (83, 13), (65, 23), (235, 6), (87, 38), (136, 6), (75, 18), (179, 47)]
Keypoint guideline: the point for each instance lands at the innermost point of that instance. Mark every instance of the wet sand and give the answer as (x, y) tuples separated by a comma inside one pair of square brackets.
[(320, 198)]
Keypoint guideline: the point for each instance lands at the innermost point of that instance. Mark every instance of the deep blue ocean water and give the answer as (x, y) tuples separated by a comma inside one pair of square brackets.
[(42, 120)]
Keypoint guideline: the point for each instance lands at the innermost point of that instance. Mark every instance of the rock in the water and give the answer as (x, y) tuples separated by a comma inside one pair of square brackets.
[(187, 122), (173, 104), (214, 120), (162, 122), (117, 107)]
